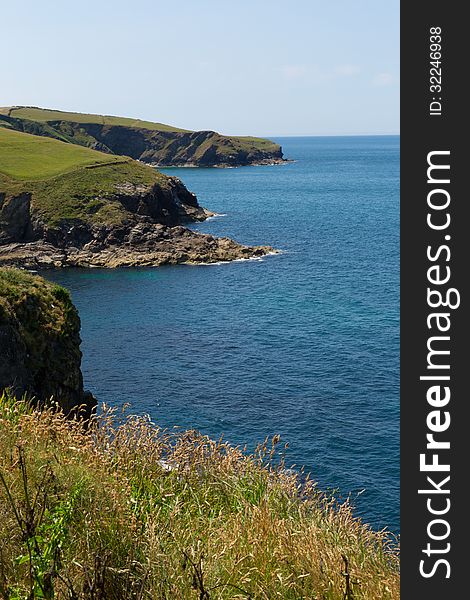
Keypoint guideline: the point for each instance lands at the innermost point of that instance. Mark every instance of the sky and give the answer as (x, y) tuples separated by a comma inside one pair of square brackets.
[(245, 67)]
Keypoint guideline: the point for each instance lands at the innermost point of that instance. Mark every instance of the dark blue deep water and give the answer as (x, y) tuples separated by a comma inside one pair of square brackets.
[(304, 344)]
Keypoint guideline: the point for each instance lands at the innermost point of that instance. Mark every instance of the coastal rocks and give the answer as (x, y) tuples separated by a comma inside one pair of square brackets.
[(144, 244), (170, 205), (40, 342), (147, 232)]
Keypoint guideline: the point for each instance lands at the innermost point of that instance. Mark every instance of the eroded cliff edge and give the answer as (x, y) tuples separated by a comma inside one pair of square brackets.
[(40, 353)]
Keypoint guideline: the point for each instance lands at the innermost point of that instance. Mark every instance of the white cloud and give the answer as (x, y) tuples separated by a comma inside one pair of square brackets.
[(383, 79), (347, 70), (293, 71)]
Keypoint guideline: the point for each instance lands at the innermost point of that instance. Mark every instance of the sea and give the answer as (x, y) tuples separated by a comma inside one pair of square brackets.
[(304, 344)]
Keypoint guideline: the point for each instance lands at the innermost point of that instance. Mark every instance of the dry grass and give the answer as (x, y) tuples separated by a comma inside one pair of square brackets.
[(126, 510)]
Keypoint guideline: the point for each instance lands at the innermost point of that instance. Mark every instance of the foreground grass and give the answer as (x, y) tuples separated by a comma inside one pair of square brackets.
[(126, 510)]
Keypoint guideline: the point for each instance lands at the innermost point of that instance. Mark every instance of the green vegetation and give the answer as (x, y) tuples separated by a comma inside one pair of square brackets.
[(36, 305), (42, 114), (29, 158), (125, 510), (150, 142), (69, 182), (88, 194), (261, 143)]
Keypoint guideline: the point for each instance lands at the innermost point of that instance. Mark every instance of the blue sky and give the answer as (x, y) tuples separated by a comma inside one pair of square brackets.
[(259, 67)]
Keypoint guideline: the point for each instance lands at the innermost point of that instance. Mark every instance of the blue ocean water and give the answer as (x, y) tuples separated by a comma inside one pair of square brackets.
[(304, 344)]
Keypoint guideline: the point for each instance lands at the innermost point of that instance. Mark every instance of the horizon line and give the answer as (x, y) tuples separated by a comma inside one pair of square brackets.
[(320, 135)]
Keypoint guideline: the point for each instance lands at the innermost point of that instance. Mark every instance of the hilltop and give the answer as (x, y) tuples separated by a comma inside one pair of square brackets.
[(153, 143), (66, 205)]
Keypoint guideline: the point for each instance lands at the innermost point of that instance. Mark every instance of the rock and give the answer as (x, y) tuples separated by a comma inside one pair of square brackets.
[(15, 221), (151, 235), (143, 245), (40, 342)]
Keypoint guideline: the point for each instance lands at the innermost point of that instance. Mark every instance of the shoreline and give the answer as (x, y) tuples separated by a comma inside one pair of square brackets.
[(186, 248), (190, 165)]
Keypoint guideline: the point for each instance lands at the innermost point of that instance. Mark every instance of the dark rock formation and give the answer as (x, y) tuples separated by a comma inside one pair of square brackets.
[(40, 342), (174, 148), (142, 245), (150, 234), (15, 217), (171, 205)]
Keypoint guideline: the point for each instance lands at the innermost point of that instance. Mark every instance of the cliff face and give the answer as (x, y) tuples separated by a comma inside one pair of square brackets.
[(40, 341), (15, 217), (166, 148), (142, 141)]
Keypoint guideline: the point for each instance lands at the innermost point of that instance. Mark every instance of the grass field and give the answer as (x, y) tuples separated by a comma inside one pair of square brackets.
[(30, 158), (41, 114), (68, 182)]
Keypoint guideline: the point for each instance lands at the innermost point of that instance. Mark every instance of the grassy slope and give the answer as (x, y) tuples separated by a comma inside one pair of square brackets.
[(41, 114), (227, 145), (68, 181), (139, 513), (28, 158)]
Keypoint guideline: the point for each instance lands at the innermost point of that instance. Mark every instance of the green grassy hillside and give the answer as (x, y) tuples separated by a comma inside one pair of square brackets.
[(153, 143), (41, 114), (69, 182), (30, 158)]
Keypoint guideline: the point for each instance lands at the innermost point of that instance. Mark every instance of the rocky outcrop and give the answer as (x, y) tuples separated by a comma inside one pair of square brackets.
[(144, 245), (150, 234), (40, 342), (168, 148), (171, 205)]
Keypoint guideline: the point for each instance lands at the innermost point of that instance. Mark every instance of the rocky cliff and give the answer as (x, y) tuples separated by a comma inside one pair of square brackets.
[(86, 209), (168, 148), (152, 143), (40, 342), (142, 229)]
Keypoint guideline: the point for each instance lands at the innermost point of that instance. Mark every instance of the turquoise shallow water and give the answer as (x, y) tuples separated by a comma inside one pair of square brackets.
[(304, 344)]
